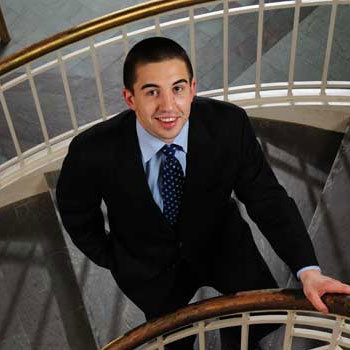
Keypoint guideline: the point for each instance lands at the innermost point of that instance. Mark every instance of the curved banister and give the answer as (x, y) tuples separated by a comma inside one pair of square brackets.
[(272, 300), (90, 28)]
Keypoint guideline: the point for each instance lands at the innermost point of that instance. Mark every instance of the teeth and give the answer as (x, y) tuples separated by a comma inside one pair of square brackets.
[(167, 119)]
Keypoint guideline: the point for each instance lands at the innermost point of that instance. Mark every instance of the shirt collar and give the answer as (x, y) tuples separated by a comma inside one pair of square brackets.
[(150, 144)]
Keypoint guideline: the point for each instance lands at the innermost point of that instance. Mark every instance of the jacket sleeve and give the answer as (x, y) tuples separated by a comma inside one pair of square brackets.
[(79, 202), (269, 205)]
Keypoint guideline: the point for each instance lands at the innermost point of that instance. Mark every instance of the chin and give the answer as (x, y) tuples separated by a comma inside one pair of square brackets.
[(169, 138)]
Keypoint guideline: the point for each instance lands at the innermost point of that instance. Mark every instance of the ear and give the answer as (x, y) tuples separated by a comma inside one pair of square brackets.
[(129, 98), (193, 88)]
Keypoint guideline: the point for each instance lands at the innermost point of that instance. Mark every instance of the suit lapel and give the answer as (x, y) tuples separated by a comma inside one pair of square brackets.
[(200, 164), (130, 172)]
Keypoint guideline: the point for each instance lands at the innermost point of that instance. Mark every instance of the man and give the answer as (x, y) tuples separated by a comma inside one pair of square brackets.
[(171, 233)]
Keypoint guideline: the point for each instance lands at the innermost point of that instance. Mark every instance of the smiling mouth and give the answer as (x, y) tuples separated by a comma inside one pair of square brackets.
[(167, 119), (167, 122)]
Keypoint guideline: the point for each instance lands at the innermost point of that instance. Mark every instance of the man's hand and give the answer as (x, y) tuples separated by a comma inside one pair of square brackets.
[(315, 285)]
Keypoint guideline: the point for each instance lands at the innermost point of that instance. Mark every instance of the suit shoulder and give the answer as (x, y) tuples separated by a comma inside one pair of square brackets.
[(218, 113), (105, 132)]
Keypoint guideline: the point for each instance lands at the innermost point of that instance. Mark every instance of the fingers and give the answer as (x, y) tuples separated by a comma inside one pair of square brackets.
[(328, 285), (316, 301), (315, 285), (337, 287)]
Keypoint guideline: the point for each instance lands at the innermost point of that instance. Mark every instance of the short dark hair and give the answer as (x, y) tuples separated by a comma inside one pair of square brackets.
[(152, 50)]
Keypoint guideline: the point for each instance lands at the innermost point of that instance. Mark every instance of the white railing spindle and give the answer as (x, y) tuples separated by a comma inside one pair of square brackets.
[(125, 41), (11, 127), (245, 331), (329, 46), (293, 46), (157, 25), (287, 342), (160, 343), (98, 78), (38, 107), (67, 92), (201, 335), (337, 330), (259, 49), (192, 42)]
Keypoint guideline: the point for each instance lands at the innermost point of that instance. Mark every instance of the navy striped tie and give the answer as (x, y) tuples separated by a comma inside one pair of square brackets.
[(172, 183)]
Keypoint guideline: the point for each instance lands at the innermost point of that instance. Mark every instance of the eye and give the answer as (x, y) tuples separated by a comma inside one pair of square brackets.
[(178, 89), (153, 92)]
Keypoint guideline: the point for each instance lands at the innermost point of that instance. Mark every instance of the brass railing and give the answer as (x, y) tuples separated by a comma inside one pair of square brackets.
[(287, 307), (93, 27)]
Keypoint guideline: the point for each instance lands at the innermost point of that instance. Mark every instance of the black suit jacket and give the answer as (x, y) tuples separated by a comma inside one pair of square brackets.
[(223, 156)]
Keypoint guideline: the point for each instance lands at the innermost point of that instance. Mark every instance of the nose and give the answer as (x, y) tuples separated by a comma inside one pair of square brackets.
[(166, 101)]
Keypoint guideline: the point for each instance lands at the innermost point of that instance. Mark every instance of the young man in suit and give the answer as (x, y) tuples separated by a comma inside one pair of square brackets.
[(173, 233)]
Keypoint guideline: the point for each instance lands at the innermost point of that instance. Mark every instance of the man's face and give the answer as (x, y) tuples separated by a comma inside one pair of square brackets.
[(162, 97)]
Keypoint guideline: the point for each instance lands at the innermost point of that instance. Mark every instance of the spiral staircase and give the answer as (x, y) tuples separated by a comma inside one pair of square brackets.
[(287, 63)]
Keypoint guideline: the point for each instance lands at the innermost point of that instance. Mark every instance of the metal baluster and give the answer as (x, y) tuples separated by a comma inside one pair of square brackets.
[(160, 343), (11, 128), (157, 26), (192, 41), (67, 92), (245, 331), (293, 47), (287, 343), (98, 78), (201, 335), (336, 334), (329, 46), (125, 41), (259, 49), (38, 107)]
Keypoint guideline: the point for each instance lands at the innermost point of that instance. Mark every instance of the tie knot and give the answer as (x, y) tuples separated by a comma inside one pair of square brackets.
[(169, 150)]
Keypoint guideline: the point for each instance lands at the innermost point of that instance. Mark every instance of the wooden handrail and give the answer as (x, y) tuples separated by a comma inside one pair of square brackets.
[(280, 299), (90, 28)]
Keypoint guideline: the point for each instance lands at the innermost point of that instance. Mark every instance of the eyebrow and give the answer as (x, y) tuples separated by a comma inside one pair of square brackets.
[(150, 85)]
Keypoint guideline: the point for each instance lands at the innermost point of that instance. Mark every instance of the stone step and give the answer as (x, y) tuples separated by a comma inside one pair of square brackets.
[(329, 229), (330, 226)]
